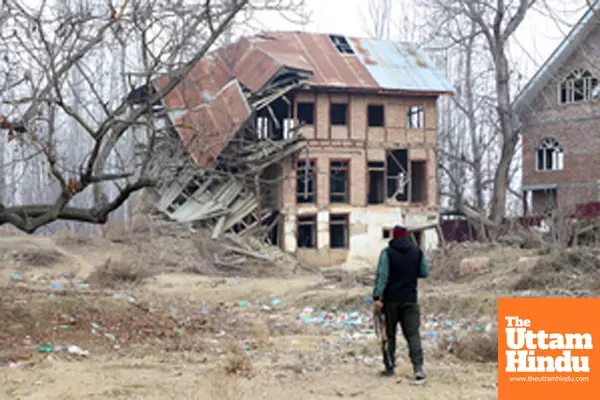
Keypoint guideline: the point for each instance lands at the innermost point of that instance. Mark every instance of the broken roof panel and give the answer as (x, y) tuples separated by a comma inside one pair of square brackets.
[(206, 130)]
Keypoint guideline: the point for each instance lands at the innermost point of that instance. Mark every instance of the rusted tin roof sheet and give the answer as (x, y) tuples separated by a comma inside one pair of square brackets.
[(207, 129)]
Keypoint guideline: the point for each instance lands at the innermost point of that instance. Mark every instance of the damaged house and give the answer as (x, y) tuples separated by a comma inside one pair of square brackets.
[(322, 142)]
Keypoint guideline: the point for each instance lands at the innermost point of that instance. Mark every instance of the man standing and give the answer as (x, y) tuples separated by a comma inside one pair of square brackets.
[(401, 264)]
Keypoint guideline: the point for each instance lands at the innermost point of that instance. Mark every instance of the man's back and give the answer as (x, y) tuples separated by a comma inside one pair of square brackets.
[(404, 264)]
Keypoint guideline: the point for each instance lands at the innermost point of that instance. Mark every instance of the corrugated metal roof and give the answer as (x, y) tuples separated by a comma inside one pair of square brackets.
[(213, 103)]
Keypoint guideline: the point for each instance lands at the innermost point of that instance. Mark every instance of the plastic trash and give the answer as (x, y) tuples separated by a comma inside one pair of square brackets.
[(56, 286), (368, 299), (124, 297), (14, 365), (81, 286), (479, 329), (205, 310), (178, 330), (432, 335), (16, 278), (77, 350), (47, 348), (275, 302), (450, 338), (95, 326), (242, 304), (221, 333), (449, 323), (110, 336)]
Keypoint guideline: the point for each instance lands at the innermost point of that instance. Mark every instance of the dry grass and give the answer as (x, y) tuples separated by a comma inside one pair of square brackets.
[(39, 258), (119, 274), (574, 269), (238, 363), (473, 348)]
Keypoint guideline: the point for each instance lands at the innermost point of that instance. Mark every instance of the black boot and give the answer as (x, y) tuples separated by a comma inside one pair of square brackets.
[(419, 373)]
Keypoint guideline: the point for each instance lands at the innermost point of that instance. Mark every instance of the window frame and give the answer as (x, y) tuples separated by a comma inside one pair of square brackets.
[(348, 180), (315, 174), (346, 223)]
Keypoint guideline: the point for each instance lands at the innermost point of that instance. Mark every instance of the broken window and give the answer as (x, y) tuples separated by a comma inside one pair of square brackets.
[(341, 44), (550, 156), (397, 176), (307, 181), (178, 202), (338, 190), (288, 128), (376, 116), (418, 191), (307, 232), (338, 113), (306, 113), (415, 117), (338, 231), (376, 194), (578, 86), (263, 127)]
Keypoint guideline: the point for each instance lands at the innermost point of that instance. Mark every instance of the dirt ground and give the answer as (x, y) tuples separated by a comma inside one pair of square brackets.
[(163, 332)]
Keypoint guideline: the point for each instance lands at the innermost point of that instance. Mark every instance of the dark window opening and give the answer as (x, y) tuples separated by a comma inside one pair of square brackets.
[(307, 232), (418, 182), (275, 121), (341, 44), (415, 117), (386, 233), (338, 113), (397, 176), (306, 113), (376, 117), (376, 193), (338, 189), (307, 182), (418, 237), (338, 231)]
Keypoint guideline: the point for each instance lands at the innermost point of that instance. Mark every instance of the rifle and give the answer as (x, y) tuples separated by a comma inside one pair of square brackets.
[(380, 331)]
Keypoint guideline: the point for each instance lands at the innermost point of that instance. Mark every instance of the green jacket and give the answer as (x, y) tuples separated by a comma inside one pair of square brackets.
[(383, 271)]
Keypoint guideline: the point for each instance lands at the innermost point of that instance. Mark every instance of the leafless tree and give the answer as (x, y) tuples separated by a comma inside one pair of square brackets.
[(67, 98), (377, 21)]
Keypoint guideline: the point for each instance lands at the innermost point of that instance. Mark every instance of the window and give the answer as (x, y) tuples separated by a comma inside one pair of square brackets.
[(579, 85), (341, 44), (376, 194), (386, 233), (338, 187), (338, 114), (338, 231), (415, 117), (263, 127), (418, 182), (307, 181), (376, 116), (397, 176), (550, 156), (306, 113), (307, 232)]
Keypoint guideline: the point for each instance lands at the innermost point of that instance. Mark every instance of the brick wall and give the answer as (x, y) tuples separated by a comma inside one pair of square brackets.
[(575, 126)]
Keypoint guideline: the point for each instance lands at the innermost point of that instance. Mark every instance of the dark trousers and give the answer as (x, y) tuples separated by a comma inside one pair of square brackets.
[(409, 317)]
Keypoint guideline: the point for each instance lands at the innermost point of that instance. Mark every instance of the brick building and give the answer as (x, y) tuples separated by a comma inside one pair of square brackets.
[(560, 123), (354, 122)]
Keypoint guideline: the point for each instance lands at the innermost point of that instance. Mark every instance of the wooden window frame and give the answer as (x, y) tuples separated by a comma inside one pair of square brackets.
[(384, 116), (346, 222), (298, 223), (346, 160), (316, 177)]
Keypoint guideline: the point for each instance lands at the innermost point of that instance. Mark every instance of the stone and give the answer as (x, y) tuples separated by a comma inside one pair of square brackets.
[(472, 265), (526, 264)]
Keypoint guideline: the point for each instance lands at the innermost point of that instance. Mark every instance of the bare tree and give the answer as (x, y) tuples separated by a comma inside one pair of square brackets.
[(66, 111), (377, 22), (496, 21)]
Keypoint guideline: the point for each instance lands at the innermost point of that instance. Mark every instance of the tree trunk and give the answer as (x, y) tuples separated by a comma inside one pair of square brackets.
[(509, 134)]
